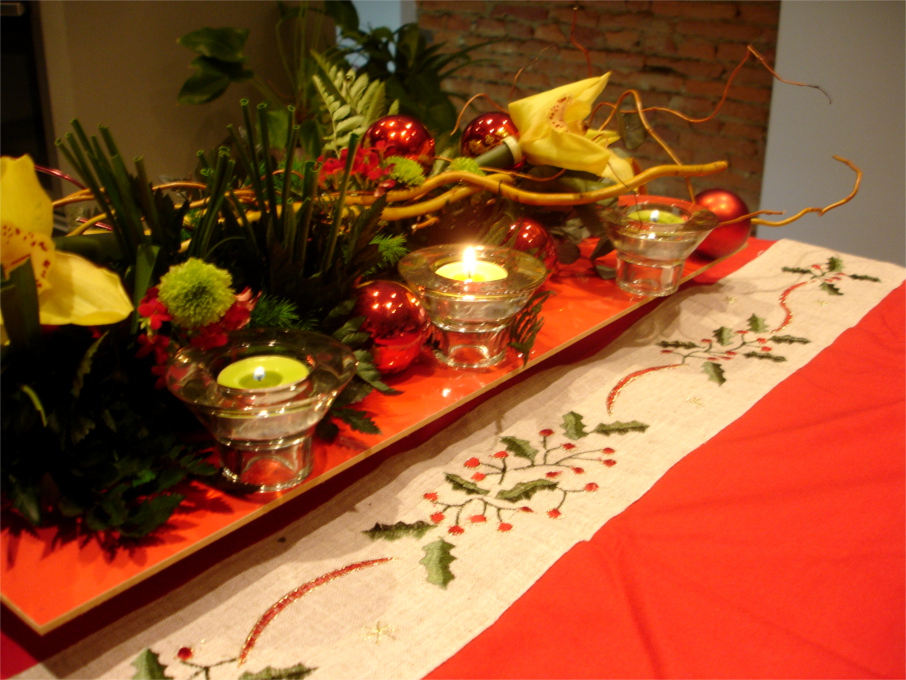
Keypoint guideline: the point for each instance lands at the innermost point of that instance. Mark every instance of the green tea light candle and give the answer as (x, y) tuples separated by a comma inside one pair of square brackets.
[(263, 372), (655, 217)]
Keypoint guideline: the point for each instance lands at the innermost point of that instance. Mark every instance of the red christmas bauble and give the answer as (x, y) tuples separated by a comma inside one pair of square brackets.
[(402, 136), (727, 238), (531, 237), (397, 322), (486, 132)]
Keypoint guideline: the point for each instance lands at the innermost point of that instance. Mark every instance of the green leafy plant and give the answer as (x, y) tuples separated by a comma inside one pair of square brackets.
[(408, 68)]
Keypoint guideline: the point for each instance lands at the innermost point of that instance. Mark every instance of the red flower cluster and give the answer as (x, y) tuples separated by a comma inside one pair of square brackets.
[(366, 168), (213, 335)]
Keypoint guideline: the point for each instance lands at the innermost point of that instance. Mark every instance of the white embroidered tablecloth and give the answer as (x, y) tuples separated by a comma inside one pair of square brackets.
[(397, 572)]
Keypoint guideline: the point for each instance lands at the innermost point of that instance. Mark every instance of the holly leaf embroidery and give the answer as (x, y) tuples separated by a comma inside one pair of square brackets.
[(620, 428), (757, 324), (830, 288), (573, 427), (714, 371), (392, 532), (676, 344), (834, 264), (864, 277), (789, 340), (148, 667), (464, 485), (724, 335), (523, 491), (437, 561), (796, 270), (292, 673), (520, 447), (764, 355)]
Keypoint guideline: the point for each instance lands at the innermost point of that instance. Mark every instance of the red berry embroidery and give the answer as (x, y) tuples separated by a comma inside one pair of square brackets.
[(472, 463), (766, 349), (501, 454), (609, 462), (478, 476), (546, 433), (552, 475), (437, 517), (184, 653), (456, 530), (554, 514), (431, 497), (525, 508), (666, 351), (591, 486), (579, 471), (608, 451), (761, 341), (478, 519), (568, 446), (504, 526)]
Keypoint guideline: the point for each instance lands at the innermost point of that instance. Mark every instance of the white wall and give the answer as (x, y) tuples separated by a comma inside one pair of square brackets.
[(117, 63), (854, 49), (389, 13)]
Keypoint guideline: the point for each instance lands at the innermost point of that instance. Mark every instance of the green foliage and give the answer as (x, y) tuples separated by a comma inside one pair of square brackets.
[(352, 101), (296, 672), (406, 171), (573, 427), (620, 427), (110, 457)]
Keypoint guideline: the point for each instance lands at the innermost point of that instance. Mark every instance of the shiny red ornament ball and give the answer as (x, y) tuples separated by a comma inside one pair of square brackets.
[(397, 322), (727, 238), (531, 237), (402, 136), (486, 132)]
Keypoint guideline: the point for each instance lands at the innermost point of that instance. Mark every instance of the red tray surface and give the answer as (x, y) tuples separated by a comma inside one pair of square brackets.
[(85, 575)]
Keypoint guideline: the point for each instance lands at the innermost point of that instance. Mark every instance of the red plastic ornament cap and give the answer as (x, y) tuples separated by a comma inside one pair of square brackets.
[(397, 322), (728, 207), (486, 132), (531, 237), (402, 136)]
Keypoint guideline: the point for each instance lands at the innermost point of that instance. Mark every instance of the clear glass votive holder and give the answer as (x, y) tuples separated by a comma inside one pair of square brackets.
[(653, 236), (264, 433), (472, 316)]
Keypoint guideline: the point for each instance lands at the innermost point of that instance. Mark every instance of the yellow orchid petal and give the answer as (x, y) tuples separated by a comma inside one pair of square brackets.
[(26, 219), (83, 293), (552, 130)]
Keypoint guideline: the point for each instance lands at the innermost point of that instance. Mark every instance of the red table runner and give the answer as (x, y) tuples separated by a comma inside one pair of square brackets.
[(775, 549)]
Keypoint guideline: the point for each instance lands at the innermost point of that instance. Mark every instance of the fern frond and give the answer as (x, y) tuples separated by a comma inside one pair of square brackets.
[(353, 101)]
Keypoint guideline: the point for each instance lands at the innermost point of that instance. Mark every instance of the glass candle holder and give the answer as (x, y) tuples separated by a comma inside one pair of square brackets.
[(261, 396), (471, 309), (653, 236)]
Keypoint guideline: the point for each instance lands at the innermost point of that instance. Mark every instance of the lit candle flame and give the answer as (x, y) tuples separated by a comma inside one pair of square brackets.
[(469, 261), (259, 373), (654, 215)]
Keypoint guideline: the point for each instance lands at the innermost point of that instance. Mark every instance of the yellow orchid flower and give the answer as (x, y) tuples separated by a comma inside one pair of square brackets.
[(71, 289), (552, 130)]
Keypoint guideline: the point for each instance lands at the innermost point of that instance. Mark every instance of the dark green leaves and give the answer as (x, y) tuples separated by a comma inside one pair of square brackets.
[(220, 63), (464, 485)]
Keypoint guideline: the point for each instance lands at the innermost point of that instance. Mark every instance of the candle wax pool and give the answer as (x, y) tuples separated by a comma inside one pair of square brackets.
[(478, 272), (263, 372), (655, 217)]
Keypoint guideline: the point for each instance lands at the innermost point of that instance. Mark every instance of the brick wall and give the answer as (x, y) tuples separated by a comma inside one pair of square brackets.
[(676, 54)]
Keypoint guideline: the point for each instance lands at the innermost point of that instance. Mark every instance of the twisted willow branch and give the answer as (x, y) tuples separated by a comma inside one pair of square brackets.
[(468, 184)]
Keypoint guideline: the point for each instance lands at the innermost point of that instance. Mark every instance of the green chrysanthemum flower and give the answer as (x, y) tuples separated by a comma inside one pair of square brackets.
[(196, 293), (465, 164)]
